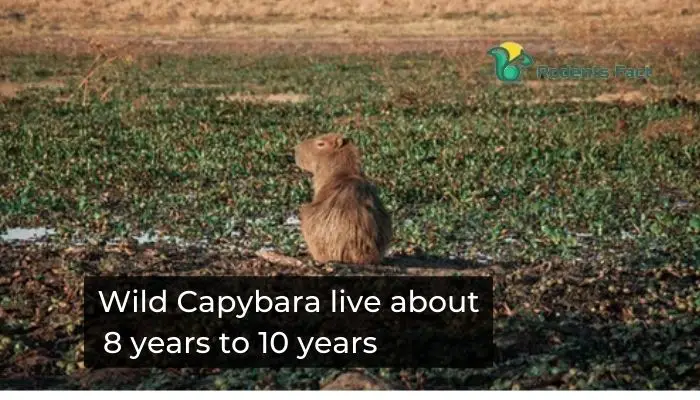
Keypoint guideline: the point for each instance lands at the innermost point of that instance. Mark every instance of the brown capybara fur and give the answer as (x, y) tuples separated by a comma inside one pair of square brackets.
[(346, 221)]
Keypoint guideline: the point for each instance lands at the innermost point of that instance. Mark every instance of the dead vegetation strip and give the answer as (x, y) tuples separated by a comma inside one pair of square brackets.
[(265, 98), (140, 45)]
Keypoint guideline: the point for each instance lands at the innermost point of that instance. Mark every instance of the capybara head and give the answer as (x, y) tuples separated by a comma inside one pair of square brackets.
[(328, 153)]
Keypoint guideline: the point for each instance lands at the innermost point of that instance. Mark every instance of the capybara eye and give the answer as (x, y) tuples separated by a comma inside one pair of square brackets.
[(320, 143)]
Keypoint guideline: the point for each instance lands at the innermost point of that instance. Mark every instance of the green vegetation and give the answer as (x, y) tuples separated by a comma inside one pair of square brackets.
[(592, 208), (515, 182)]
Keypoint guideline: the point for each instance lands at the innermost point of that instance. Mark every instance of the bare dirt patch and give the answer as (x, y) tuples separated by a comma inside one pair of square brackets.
[(542, 84), (9, 89), (188, 85), (686, 129), (12, 89), (622, 96), (265, 98), (633, 97)]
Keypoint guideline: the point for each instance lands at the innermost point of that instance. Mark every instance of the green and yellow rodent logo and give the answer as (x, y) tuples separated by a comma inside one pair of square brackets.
[(509, 58)]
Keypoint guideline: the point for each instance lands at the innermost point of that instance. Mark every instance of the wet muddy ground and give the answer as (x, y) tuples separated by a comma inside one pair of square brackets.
[(557, 324)]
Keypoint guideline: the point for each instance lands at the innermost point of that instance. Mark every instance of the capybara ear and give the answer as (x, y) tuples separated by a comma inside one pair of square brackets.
[(341, 141)]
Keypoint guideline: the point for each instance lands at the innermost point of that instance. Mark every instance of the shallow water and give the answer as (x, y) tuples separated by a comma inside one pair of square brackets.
[(42, 233), (31, 234)]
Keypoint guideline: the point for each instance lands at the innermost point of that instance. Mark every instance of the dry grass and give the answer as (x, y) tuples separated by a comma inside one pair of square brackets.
[(364, 18)]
